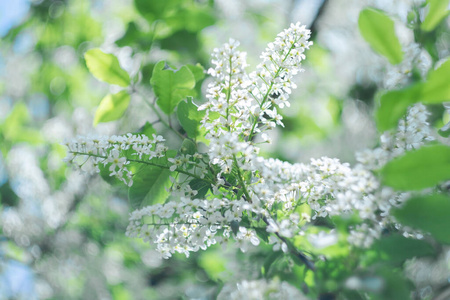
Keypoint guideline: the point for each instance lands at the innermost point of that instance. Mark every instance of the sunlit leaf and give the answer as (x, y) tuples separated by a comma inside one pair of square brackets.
[(437, 88), (213, 262), (15, 127), (112, 107), (106, 67), (418, 169), (437, 11), (198, 71), (171, 86), (378, 30), (190, 117), (427, 213)]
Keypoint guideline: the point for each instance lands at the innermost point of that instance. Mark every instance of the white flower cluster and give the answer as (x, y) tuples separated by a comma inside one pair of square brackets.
[(246, 189), (412, 132), (260, 290), (326, 185), (89, 152), (414, 57), (240, 104), (191, 225)]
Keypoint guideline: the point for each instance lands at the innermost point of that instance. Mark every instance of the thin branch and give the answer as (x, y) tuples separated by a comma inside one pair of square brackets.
[(302, 257)]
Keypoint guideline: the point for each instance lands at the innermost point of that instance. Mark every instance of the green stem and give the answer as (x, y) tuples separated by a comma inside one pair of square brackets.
[(268, 92), (169, 126), (241, 181), (148, 163), (229, 96)]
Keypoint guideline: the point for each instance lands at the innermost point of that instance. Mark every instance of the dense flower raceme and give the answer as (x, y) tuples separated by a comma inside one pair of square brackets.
[(90, 152), (246, 189)]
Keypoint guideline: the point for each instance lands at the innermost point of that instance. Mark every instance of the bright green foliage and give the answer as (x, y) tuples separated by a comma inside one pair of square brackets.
[(378, 30), (14, 128), (418, 169), (437, 87), (171, 86), (112, 107), (213, 262), (147, 129), (150, 185), (175, 15), (98, 214), (437, 12), (427, 213), (105, 67), (190, 117), (198, 71)]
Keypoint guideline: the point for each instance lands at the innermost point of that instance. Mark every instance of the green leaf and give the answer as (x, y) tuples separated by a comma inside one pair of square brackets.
[(378, 30), (190, 117), (437, 12), (14, 128), (192, 18), (427, 213), (269, 261), (393, 106), (395, 286), (105, 174), (395, 249), (444, 133), (154, 10), (112, 107), (134, 36), (183, 42), (262, 234), (214, 264), (106, 67), (171, 86), (147, 130), (418, 169), (201, 186), (188, 147), (198, 71), (437, 88), (234, 225), (149, 186)]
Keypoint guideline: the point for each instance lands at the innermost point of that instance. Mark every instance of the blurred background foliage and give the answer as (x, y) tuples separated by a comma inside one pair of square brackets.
[(63, 231)]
